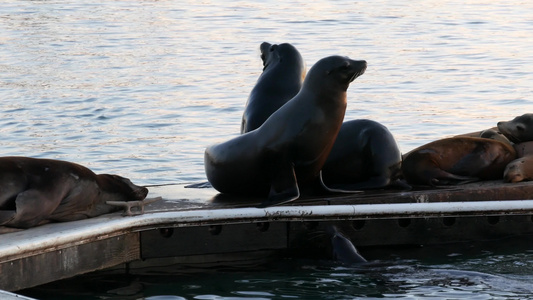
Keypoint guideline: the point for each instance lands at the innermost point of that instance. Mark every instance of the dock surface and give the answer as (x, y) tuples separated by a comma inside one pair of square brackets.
[(198, 227)]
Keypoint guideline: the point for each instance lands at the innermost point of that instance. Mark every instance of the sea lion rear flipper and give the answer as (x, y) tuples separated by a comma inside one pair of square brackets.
[(283, 188), (33, 207), (6, 216)]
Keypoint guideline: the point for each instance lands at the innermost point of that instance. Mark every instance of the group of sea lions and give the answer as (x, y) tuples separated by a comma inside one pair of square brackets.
[(283, 149), (293, 139), (504, 152)]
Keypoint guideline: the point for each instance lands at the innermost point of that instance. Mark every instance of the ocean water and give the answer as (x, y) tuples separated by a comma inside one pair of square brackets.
[(140, 87)]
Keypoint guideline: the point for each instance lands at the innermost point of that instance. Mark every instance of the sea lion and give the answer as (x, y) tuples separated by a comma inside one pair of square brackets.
[(282, 78), (342, 249), (457, 160), (291, 146), (518, 170), (365, 156), (524, 149), (519, 129), (34, 191)]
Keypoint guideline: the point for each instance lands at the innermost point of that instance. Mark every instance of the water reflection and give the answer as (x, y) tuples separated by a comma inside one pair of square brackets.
[(157, 81)]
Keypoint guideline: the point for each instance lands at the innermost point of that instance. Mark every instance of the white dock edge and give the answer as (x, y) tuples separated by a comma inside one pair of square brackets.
[(11, 296), (52, 236)]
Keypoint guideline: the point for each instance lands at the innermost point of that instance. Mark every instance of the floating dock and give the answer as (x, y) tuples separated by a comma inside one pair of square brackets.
[(199, 228)]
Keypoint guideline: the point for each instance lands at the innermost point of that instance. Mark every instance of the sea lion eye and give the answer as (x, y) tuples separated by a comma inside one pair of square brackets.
[(345, 66)]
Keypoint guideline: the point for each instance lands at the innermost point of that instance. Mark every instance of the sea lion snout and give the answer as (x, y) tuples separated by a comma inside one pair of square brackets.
[(359, 67), (140, 193), (120, 185)]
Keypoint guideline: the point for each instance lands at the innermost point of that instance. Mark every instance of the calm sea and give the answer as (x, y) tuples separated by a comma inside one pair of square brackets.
[(140, 88)]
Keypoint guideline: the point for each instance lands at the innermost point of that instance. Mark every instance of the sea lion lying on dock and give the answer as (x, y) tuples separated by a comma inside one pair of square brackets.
[(520, 169), (34, 191), (365, 156), (457, 160)]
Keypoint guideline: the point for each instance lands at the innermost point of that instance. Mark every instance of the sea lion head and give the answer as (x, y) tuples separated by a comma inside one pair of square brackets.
[(119, 185), (519, 129), (518, 170), (273, 53), (335, 72), (513, 171)]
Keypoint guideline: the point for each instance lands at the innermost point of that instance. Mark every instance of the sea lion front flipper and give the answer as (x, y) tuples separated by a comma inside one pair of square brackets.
[(440, 177), (33, 207), (344, 190), (128, 205), (283, 188)]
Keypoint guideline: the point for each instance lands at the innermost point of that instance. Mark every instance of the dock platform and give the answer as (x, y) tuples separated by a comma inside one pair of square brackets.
[(197, 227)]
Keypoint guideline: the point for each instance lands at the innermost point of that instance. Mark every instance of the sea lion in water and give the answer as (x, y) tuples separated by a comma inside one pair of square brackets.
[(365, 156), (291, 146), (282, 78), (342, 249), (519, 129), (457, 160), (40, 190), (518, 170)]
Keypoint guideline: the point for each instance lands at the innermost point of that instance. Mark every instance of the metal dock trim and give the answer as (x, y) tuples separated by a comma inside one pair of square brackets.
[(55, 236), (61, 250)]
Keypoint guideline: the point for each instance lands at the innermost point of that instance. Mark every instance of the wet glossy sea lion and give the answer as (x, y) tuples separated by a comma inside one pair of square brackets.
[(457, 160), (282, 78), (519, 129), (342, 249), (34, 191), (290, 148), (365, 156), (520, 169)]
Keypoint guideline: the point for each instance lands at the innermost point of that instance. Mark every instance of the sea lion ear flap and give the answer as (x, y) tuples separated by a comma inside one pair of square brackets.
[(283, 188)]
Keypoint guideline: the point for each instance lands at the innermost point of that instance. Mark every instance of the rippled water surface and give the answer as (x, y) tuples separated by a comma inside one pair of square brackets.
[(140, 88)]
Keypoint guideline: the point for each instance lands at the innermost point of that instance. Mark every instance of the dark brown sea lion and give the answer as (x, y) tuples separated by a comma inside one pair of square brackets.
[(520, 169), (519, 129), (34, 191), (365, 156), (282, 78), (457, 160), (290, 148)]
